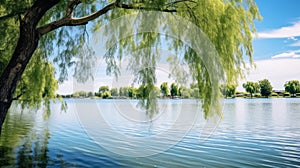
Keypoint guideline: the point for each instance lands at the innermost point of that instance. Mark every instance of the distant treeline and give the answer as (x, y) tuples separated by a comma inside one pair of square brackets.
[(164, 91), (262, 88)]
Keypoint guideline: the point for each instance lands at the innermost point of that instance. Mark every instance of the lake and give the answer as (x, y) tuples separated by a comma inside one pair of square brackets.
[(117, 133)]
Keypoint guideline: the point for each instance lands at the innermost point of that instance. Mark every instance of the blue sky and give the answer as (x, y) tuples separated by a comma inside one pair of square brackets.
[(276, 48), (279, 31)]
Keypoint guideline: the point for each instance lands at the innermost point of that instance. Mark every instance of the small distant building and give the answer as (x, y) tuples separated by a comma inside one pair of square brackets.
[(279, 92), (239, 95)]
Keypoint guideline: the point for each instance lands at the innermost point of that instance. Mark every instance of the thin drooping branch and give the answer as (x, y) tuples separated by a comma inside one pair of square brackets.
[(191, 12)]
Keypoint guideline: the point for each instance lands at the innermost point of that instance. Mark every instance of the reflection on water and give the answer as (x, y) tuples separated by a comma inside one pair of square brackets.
[(21, 143), (15, 128), (253, 133)]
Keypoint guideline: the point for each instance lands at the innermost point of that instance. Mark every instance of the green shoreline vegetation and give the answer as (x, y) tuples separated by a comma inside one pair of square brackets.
[(260, 89)]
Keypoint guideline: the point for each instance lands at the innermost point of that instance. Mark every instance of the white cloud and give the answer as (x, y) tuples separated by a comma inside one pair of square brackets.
[(284, 55), (297, 56), (290, 54), (296, 44), (290, 32), (277, 71), (292, 38)]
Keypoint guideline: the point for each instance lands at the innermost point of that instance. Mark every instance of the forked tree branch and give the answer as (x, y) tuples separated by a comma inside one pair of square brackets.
[(71, 6), (68, 20), (17, 97)]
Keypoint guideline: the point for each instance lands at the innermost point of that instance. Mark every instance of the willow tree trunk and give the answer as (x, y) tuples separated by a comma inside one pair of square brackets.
[(27, 44)]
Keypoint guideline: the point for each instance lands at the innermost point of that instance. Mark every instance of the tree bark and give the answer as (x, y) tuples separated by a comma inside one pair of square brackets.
[(3, 108), (27, 44)]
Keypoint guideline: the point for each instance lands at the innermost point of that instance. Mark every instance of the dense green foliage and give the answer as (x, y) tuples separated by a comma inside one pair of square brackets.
[(114, 92), (251, 87), (265, 87), (164, 89), (228, 24), (292, 87), (103, 89), (184, 92), (124, 91), (174, 90), (132, 92), (228, 90)]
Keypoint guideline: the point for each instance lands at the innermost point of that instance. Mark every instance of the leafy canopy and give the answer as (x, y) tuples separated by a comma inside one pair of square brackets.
[(292, 86), (174, 89), (265, 87), (251, 87), (164, 89), (228, 90), (228, 24)]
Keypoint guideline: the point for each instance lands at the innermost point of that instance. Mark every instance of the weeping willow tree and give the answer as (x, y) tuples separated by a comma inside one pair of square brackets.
[(38, 35)]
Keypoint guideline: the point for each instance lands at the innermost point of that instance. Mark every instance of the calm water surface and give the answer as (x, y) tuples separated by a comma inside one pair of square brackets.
[(253, 133)]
